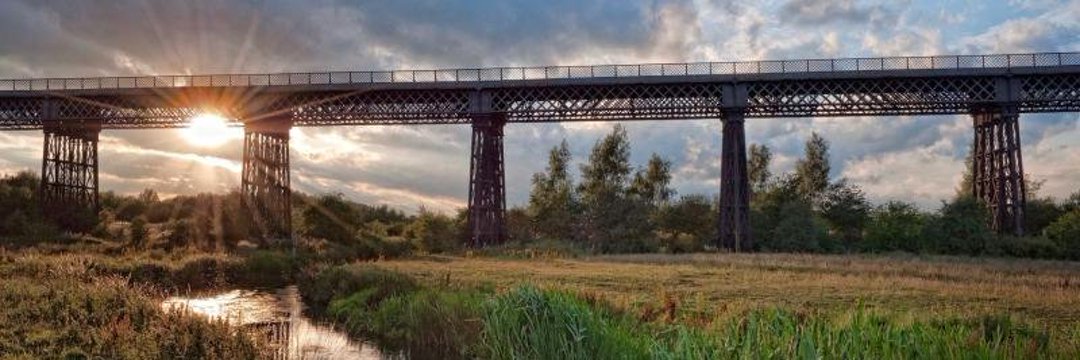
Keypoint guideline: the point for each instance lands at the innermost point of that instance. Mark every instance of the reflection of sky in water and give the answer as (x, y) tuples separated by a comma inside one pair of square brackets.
[(279, 317)]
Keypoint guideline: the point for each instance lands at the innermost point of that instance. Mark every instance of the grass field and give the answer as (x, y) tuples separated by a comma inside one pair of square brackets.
[(709, 287)]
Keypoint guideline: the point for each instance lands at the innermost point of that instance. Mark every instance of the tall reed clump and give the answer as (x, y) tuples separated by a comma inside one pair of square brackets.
[(529, 323)]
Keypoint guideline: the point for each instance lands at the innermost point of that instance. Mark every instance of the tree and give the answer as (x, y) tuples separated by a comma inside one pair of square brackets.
[(783, 220), (894, 226), (757, 167), (1065, 233), (330, 217), (812, 171), (551, 201), (960, 227), (687, 224), (610, 215), (433, 232), (845, 208), (138, 233), (652, 183)]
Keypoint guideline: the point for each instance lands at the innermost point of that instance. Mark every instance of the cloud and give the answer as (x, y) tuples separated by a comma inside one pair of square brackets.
[(407, 167)]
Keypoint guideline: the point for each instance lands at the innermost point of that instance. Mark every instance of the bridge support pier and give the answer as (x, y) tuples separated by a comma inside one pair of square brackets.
[(69, 173), (265, 184), (487, 188), (734, 234), (998, 168)]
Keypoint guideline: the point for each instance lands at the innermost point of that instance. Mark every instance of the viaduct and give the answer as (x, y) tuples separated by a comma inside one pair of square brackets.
[(993, 89)]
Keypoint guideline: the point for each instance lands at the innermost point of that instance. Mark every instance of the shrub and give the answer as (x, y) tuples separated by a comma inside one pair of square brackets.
[(960, 228), (894, 226), (345, 281), (1065, 233), (430, 324)]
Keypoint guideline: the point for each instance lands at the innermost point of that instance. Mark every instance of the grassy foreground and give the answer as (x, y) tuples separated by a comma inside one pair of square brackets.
[(708, 306), (71, 307), (707, 287)]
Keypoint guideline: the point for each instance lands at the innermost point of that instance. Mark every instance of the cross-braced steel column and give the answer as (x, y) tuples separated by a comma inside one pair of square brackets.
[(487, 188), (69, 173), (998, 168), (734, 188), (265, 180)]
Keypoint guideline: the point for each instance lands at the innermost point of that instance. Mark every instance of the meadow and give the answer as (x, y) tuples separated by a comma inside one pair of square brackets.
[(711, 285), (506, 305)]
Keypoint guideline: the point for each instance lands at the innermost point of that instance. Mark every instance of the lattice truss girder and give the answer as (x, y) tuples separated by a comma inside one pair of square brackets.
[(265, 181), (998, 168), (1049, 93), (734, 231), (661, 101), (69, 170), (530, 103), (487, 187), (868, 96)]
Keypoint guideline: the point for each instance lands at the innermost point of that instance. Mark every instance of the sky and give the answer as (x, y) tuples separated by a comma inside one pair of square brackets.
[(917, 159)]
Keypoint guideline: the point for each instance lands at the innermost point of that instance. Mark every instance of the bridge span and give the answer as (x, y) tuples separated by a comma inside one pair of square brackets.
[(993, 89)]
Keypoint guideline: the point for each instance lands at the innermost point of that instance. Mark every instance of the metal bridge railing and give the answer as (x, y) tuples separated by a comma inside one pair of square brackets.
[(553, 72)]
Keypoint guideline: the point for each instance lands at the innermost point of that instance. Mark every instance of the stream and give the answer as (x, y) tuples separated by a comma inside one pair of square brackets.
[(277, 316)]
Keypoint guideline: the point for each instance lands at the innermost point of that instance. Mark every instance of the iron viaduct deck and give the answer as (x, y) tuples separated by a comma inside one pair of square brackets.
[(994, 89)]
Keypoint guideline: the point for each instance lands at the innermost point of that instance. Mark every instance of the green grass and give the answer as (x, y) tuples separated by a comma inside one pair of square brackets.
[(527, 322)]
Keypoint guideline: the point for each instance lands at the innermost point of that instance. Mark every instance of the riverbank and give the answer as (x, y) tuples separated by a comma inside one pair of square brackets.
[(65, 307)]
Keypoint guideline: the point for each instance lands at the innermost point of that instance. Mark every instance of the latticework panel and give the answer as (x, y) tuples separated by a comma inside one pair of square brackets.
[(609, 102), (377, 107), (1050, 93), (868, 96), (20, 113)]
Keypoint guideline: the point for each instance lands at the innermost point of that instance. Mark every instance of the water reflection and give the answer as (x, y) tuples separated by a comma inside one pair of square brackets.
[(278, 318)]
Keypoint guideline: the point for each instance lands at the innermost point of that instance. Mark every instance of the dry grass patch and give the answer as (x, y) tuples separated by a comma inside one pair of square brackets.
[(716, 286)]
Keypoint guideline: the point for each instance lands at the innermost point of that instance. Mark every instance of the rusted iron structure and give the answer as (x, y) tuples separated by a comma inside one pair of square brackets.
[(994, 89), (487, 188), (997, 167), (265, 182), (69, 172), (734, 185)]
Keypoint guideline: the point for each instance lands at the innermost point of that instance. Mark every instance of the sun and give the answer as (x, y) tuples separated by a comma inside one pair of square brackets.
[(208, 130)]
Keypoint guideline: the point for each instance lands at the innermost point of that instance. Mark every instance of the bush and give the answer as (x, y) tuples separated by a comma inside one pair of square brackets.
[(345, 281), (429, 324), (894, 226), (961, 228), (433, 232), (1065, 233), (105, 319)]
